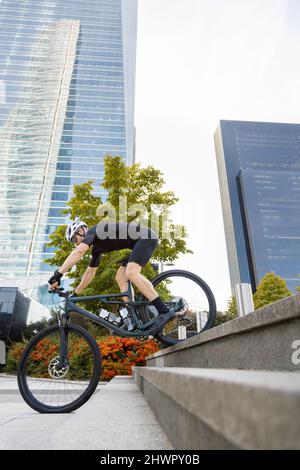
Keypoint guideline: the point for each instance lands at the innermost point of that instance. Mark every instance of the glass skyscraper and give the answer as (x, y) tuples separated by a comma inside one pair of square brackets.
[(67, 82), (259, 177)]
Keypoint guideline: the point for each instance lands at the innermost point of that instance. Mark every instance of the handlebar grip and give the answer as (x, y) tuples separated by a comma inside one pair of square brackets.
[(56, 290)]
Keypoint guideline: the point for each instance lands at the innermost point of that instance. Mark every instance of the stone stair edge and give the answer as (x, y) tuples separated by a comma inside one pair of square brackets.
[(283, 310), (255, 413), (239, 377)]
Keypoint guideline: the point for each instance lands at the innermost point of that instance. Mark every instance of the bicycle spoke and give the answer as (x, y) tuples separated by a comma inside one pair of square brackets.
[(46, 382), (193, 302)]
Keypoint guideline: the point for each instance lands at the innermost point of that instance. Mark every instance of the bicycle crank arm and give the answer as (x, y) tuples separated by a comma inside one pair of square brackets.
[(145, 326), (155, 326)]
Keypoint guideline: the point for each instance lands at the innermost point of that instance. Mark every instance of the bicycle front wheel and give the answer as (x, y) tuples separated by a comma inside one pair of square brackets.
[(192, 300), (48, 388)]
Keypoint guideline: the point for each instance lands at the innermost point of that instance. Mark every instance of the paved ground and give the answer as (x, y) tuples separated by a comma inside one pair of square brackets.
[(116, 417)]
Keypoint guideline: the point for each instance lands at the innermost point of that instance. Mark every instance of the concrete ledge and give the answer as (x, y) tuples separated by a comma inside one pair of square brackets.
[(224, 409), (264, 339)]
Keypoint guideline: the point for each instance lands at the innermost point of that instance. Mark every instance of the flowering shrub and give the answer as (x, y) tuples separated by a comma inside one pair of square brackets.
[(118, 356), (14, 356)]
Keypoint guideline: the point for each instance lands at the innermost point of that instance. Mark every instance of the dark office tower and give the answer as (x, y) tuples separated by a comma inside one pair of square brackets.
[(259, 177), (67, 83)]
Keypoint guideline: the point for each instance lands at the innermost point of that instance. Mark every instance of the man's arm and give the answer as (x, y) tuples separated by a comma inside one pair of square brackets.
[(86, 279), (73, 258)]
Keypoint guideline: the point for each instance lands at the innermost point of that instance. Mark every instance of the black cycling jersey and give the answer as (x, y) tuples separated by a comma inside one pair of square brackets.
[(111, 236)]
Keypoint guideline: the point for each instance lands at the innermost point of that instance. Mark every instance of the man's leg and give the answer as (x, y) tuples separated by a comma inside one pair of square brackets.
[(140, 255), (133, 272), (122, 280)]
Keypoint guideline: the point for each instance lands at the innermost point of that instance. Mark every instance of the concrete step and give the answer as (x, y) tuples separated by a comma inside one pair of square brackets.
[(267, 339), (116, 417), (224, 409)]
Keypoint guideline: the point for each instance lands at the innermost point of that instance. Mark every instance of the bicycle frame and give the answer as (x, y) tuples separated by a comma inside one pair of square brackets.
[(70, 306)]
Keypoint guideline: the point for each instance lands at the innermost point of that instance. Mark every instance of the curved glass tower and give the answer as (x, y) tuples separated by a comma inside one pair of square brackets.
[(67, 81), (259, 176)]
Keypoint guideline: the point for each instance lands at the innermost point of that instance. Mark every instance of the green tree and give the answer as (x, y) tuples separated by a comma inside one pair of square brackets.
[(270, 289), (231, 307), (298, 288), (229, 314), (143, 187), (34, 327)]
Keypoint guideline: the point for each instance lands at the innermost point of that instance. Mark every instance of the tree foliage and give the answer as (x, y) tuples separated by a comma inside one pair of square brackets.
[(146, 201), (270, 289), (229, 314)]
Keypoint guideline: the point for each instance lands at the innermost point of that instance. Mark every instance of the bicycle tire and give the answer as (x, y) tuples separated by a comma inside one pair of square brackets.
[(22, 382), (167, 340)]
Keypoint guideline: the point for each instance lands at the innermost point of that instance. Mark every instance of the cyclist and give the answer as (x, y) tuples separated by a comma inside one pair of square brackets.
[(110, 236)]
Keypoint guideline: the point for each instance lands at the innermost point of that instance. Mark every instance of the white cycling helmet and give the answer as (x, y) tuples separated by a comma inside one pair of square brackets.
[(72, 229)]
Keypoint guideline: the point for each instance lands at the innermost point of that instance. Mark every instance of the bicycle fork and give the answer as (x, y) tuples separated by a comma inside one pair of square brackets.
[(63, 353)]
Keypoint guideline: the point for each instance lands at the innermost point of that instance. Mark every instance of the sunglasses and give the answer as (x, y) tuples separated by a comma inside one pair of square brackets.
[(74, 238)]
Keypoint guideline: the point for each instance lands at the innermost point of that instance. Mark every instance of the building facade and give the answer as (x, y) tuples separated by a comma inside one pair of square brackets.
[(14, 308), (259, 177), (67, 82)]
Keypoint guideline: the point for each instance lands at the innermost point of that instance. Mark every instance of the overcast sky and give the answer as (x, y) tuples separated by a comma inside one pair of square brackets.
[(199, 61)]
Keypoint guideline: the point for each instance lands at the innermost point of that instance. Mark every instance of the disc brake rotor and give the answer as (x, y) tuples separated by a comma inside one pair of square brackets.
[(54, 371)]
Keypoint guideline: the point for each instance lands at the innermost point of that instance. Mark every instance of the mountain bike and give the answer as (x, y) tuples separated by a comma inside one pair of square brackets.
[(61, 365)]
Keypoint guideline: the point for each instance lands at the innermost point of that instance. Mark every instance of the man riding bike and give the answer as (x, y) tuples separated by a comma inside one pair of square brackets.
[(110, 236)]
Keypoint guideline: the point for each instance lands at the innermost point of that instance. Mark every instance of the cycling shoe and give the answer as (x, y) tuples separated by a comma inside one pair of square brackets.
[(160, 322)]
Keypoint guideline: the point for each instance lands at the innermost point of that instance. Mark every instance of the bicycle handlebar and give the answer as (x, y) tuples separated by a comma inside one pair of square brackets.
[(59, 291)]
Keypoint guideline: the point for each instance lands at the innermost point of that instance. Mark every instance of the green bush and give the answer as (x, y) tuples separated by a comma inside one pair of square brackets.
[(118, 356)]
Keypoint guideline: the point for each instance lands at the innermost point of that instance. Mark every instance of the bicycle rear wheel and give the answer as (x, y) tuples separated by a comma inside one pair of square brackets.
[(49, 389), (193, 301)]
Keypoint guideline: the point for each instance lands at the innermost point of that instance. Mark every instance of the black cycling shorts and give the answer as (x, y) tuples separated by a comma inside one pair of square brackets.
[(142, 250)]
